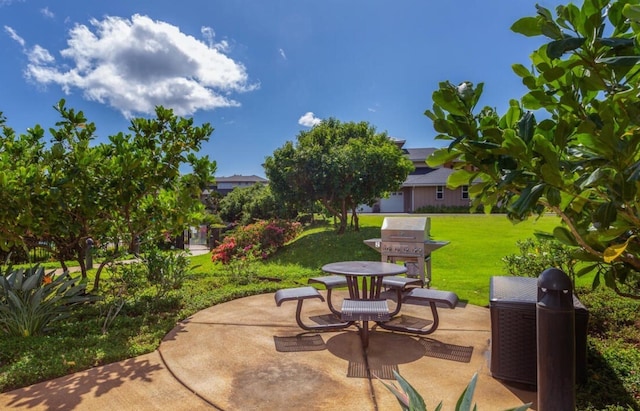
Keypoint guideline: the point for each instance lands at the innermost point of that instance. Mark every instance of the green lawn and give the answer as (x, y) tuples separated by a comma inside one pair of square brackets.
[(477, 245)]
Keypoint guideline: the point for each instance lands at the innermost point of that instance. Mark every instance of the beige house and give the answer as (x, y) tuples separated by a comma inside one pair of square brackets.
[(425, 186)]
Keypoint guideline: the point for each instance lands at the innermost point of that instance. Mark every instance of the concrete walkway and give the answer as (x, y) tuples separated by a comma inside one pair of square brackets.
[(248, 354)]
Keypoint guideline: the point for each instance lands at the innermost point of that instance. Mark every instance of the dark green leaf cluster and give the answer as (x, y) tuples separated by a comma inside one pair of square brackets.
[(582, 159)]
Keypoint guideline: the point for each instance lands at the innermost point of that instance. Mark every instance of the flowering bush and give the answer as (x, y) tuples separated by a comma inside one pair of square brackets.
[(260, 240)]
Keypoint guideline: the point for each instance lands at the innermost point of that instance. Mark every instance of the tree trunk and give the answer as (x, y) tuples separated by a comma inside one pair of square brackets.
[(355, 219), (343, 218)]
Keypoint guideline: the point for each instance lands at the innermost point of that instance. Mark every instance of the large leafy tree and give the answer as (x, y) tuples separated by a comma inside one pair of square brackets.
[(245, 205), (67, 190), (571, 144), (338, 164)]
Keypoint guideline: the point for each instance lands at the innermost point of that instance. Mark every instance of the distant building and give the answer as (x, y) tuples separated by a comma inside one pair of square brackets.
[(425, 186), (225, 185)]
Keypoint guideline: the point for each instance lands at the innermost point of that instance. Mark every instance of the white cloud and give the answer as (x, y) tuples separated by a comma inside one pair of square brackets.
[(12, 33), (282, 54), (209, 34), (39, 56), (136, 64), (8, 2), (309, 120), (47, 13)]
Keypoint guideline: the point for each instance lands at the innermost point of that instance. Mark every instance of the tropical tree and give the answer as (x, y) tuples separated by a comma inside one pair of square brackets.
[(248, 204), (339, 164), (145, 171), (67, 191), (570, 145)]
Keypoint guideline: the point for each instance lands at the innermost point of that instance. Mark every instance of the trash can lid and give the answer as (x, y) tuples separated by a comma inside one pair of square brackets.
[(555, 280)]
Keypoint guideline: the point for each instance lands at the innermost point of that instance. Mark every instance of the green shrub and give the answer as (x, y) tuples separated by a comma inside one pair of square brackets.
[(539, 254), (166, 270), (125, 281), (31, 300)]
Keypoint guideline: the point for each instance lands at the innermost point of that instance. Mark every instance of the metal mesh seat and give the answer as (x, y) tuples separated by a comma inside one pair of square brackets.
[(365, 310)]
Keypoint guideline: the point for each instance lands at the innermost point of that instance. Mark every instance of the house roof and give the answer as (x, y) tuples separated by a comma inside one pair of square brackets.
[(437, 177), (241, 179), (419, 154)]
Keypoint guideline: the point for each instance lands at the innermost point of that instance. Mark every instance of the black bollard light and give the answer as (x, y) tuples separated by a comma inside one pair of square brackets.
[(555, 329)]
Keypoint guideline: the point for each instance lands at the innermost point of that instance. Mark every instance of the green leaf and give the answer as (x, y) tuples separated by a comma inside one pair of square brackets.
[(441, 156), (521, 70), (553, 196), (631, 11), (565, 236), (616, 42), (586, 270), (528, 26), (550, 29), (556, 49), (515, 146), (460, 178), (465, 399), (31, 282), (594, 178), (551, 174), (513, 114), (619, 61), (526, 126), (606, 214), (527, 200), (448, 100), (544, 12)]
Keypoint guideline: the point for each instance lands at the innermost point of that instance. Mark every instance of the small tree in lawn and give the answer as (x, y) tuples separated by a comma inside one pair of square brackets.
[(581, 157), (338, 164)]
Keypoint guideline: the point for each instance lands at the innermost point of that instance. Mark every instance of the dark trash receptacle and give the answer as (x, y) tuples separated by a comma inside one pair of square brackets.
[(556, 341), (512, 302)]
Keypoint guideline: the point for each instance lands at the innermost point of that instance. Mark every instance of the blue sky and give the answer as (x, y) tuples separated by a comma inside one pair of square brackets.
[(259, 71)]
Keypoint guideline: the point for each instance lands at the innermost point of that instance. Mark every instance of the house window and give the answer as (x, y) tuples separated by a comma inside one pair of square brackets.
[(465, 192), (439, 192)]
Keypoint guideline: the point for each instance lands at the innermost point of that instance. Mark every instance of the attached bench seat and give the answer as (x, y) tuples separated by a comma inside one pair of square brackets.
[(300, 294), (365, 310), (330, 282), (424, 296), (397, 281)]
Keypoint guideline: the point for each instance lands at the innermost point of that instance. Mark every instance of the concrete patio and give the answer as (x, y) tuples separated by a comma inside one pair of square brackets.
[(248, 354)]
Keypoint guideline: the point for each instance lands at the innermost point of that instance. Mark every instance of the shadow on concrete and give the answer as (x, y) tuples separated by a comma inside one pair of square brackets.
[(67, 392)]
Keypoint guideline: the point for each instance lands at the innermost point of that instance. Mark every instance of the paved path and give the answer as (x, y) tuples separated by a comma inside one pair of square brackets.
[(248, 354)]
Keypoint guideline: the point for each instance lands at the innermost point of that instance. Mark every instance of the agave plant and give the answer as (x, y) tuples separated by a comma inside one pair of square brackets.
[(31, 300), (411, 400)]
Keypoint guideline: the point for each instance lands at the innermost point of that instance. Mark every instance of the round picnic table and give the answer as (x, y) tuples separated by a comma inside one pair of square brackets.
[(373, 270), (364, 303)]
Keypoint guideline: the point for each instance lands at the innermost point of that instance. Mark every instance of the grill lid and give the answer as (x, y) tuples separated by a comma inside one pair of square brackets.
[(408, 229)]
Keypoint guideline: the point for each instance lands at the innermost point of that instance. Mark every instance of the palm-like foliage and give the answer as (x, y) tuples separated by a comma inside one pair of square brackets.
[(31, 300)]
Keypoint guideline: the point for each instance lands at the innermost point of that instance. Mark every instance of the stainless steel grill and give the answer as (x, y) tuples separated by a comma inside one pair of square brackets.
[(407, 240)]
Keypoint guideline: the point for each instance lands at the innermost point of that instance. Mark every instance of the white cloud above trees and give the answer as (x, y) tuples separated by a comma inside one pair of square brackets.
[(136, 64), (309, 120)]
